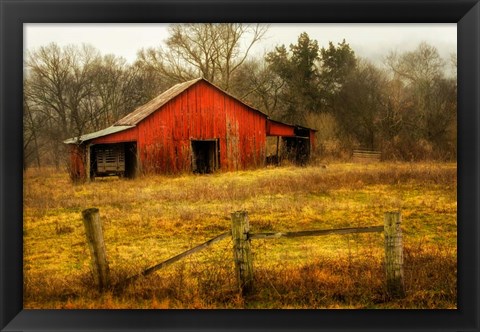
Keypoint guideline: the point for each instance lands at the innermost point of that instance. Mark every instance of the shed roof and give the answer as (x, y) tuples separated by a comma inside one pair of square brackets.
[(100, 133), (291, 125)]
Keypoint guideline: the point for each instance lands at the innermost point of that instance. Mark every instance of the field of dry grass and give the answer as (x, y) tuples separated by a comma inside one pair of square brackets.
[(152, 218)]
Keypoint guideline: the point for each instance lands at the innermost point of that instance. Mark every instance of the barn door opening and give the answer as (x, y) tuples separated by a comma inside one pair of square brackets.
[(118, 159), (205, 156), (297, 149), (130, 159)]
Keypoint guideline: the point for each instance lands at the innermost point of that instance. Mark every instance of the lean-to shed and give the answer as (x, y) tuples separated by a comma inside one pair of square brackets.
[(192, 127)]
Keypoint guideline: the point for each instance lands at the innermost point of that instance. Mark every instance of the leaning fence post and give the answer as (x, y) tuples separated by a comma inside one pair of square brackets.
[(242, 251), (94, 233), (394, 255)]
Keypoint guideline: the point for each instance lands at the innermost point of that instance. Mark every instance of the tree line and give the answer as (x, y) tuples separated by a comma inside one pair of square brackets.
[(406, 108)]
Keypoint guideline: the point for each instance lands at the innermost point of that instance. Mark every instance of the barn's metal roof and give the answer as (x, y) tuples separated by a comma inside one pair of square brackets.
[(145, 110), (100, 133)]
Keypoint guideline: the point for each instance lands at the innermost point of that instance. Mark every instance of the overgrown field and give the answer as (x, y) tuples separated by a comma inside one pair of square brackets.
[(152, 218)]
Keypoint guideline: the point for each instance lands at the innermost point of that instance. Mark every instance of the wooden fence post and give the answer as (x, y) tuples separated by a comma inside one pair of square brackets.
[(394, 255), (94, 233), (242, 251)]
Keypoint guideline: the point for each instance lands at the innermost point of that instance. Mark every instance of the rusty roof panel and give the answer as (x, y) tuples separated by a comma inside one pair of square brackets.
[(100, 133), (145, 110)]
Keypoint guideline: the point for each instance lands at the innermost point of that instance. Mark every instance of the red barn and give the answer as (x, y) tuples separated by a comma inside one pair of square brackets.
[(193, 126)]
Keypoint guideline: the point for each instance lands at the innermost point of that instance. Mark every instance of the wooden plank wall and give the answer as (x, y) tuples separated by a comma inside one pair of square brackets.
[(202, 112)]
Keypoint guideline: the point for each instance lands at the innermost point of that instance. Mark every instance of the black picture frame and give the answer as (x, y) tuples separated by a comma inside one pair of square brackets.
[(466, 13)]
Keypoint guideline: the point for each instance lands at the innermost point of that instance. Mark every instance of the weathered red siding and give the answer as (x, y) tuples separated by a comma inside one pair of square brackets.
[(312, 140), (77, 162), (129, 135), (275, 128), (199, 113)]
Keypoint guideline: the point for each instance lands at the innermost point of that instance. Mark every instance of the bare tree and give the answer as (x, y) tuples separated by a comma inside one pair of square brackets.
[(361, 105), (213, 50), (33, 121), (422, 64), (431, 109), (59, 85), (60, 82), (257, 85), (117, 91)]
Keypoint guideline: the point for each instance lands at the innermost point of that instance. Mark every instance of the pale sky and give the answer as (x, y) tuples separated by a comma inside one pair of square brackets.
[(372, 41)]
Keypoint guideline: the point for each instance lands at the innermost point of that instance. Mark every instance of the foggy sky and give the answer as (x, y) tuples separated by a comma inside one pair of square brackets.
[(372, 41)]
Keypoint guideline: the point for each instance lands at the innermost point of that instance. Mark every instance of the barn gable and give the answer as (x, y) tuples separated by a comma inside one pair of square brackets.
[(155, 104), (200, 114)]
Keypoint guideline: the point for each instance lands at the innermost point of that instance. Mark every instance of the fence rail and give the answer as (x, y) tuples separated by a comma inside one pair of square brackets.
[(276, 235), (174, 259), (367, 155), (243, 258)]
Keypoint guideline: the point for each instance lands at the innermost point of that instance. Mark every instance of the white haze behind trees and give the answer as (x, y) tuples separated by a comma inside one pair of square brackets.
[(380, 86), (371, 41)]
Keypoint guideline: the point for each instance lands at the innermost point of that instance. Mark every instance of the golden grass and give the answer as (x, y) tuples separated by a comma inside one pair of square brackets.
[(152, 218)]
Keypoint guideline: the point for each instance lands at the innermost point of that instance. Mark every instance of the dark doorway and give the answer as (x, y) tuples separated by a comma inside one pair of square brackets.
[(130, 159), (297, 149), (205, 156)]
